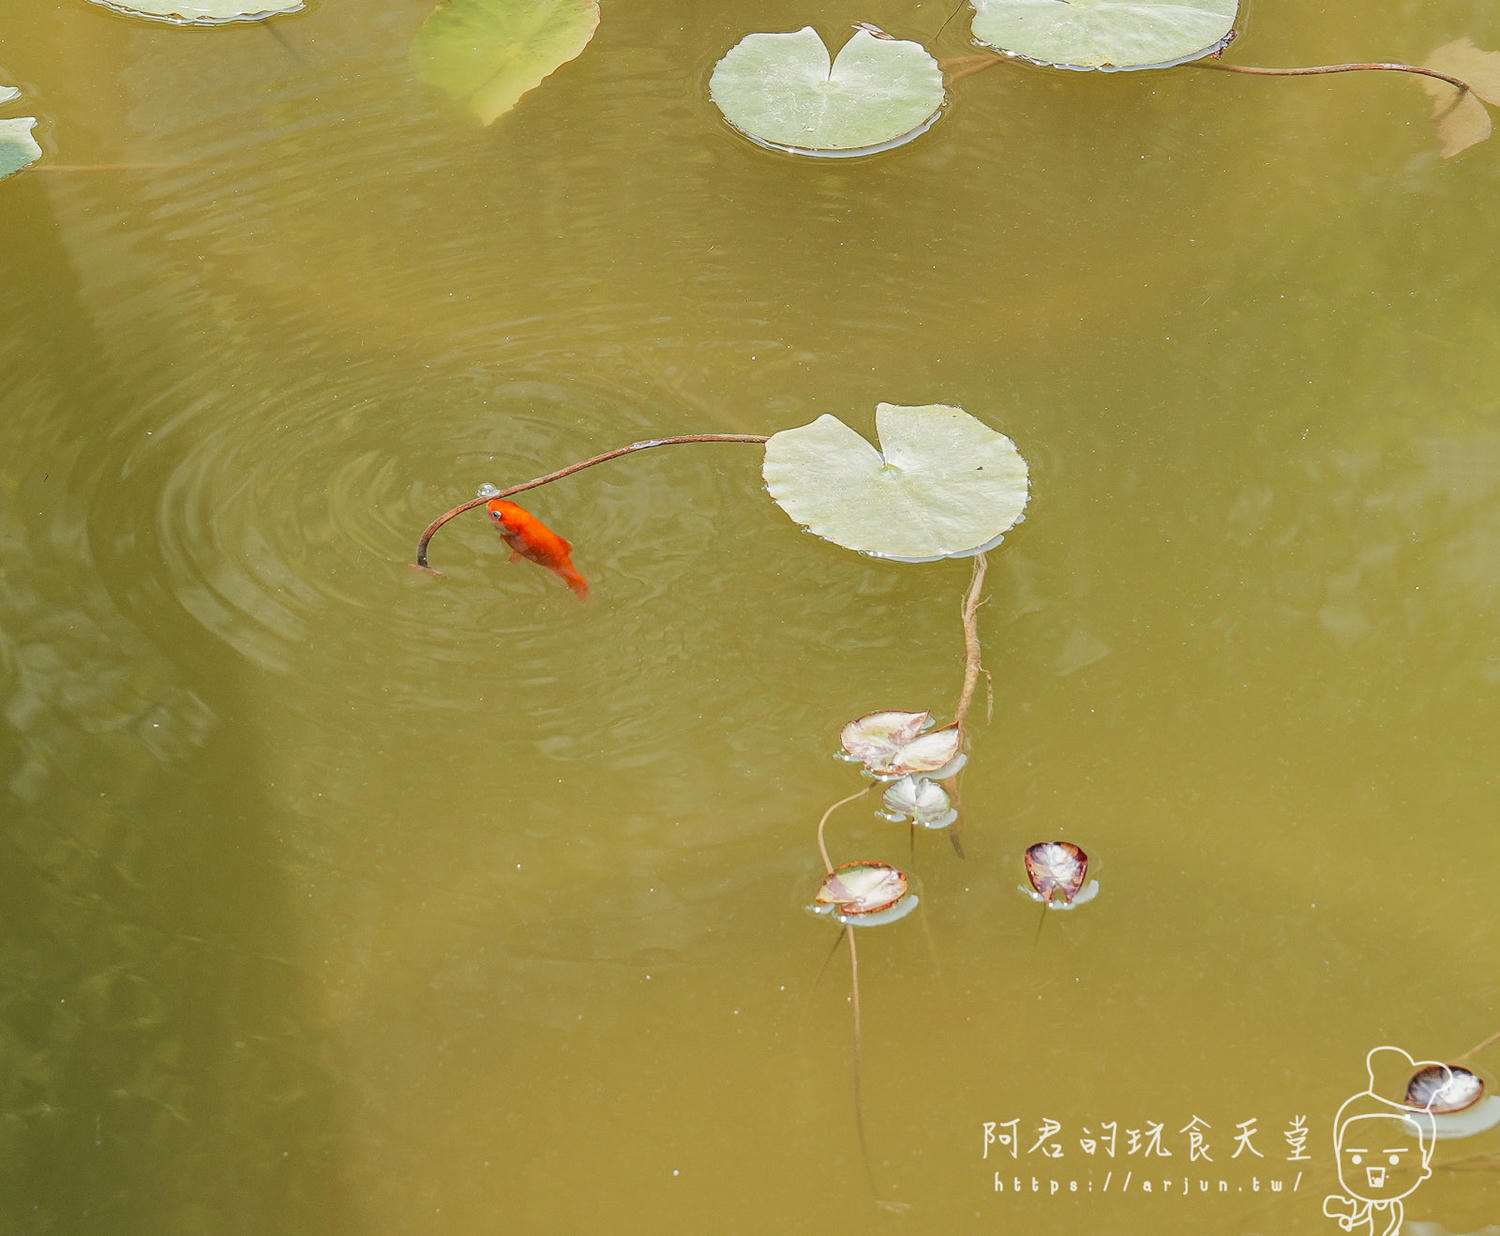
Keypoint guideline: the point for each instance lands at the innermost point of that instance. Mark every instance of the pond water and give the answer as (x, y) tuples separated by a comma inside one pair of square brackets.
[(337, 897)]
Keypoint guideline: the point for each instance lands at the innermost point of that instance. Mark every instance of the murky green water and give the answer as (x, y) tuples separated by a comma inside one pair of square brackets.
[(339, 898)]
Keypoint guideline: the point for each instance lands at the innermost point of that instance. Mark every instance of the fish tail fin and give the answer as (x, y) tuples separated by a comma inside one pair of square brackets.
[(576, 582)]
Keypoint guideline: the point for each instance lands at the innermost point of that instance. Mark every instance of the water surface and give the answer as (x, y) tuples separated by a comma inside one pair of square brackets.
[(341, 898)]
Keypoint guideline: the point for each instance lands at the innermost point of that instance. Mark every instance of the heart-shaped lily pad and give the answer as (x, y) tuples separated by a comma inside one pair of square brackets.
[(488, 53), (781, 90), (943, 485), (202, 12), (1105, 34), (18, 148)]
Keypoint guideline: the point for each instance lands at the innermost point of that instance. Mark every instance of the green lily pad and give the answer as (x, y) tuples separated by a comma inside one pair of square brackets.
[(488, 53), (201, 12), (944, 485), (18, 148), (1105, 34), (782, 91)]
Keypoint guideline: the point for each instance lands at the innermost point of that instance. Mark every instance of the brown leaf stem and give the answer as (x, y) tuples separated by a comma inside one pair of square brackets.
[(679, 440), (822, 844), (971, 640), (1315, 70)]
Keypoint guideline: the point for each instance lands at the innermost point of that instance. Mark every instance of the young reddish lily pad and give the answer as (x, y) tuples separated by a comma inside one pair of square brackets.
[(1453, 1099), (865, 894), (1057, 870), (1441, 1088), (896, 744)]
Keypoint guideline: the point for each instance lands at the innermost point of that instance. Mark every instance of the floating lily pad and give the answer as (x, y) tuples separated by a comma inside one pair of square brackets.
[(1056, 871), (18, 148), (896, 744), (201, 12), (919, 800), (1105, 34), (865, 894), (944, 485), (488, 53), (1462, 119), (1439, 1088), (782, 91)]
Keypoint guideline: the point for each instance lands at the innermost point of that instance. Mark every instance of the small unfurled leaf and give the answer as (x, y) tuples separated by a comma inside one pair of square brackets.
[(1105, 34), (1462, 119), (895, 744), (488, 53), (865, 894), (942, 485), (782, 91), (18, 148), (202, 12), (919, 800)]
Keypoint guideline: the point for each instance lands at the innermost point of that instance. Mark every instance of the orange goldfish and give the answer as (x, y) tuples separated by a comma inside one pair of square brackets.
[(529, 537)]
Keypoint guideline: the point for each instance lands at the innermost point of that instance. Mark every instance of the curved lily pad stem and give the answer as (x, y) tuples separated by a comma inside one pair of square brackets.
[(822, 844), (679, 440), (1318, 69), (971, 640)]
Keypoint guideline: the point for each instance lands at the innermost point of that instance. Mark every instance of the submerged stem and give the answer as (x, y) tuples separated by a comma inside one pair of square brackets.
[(823, 845), (967, 66), (679, 440), (859, 1098), (859, 1072), (1315, 70)]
